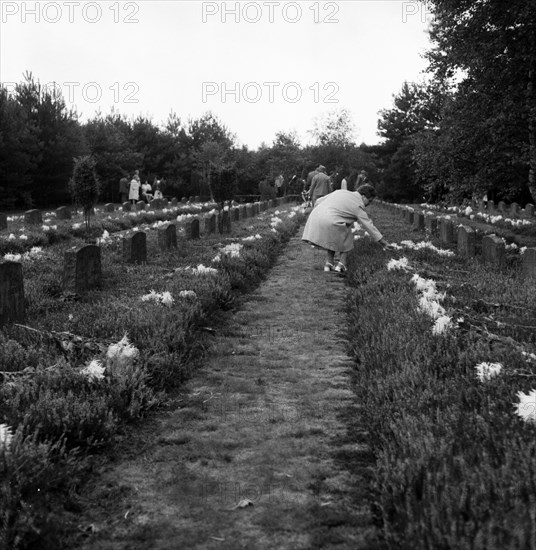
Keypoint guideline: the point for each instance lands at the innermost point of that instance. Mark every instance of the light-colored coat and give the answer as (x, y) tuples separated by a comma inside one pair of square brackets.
[(329, 224), (320, 186), (134, 190)]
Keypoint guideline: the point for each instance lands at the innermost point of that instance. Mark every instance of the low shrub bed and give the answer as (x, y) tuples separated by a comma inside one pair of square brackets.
[(439, 386), (83, 368)]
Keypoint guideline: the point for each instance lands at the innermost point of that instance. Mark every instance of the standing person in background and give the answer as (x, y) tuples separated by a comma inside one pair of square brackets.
[(279, 185), (361, 179), (321, 185), (134, 190), (123, 189), (309, 180)]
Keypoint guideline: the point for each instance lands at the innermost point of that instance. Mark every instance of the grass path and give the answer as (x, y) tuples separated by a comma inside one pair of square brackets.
[(270, 420)]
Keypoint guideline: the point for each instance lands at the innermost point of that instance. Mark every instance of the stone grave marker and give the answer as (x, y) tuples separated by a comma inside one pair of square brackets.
[(174, 201), (158, 204), (167, 237), (210, 224), (11, 293), (418, 221), (126, 206), (226, 221), (63, 213), (493, 251), (82, 269), (529, 210), (466, 241), (236, 214), (192, 228), (501, 206), (109, 207), (446, 231), (249, 211), (3, 221), (33, 217), (135, 248), (529, 263), (514, 209)]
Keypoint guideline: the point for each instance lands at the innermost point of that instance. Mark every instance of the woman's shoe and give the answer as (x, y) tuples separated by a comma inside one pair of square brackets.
[(328, 267), (340, 268)]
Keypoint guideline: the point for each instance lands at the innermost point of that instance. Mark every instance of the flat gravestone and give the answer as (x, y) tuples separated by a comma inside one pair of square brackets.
[(3, 221), (418, 221), (82, 270), (529, 210), (167, 237), (529, 263), (33, 217), (210, 224), (158, 204), (127, 206), (11, 293), (192, 228), (466, 241), (140, 205), (493, 251), (109, 207), (63, 213), (446, 231), (135, 248)]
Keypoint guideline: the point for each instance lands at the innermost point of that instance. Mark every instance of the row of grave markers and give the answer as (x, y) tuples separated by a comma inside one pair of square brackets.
[(513, 210), (82, 265), (465, 238), (35, 216)]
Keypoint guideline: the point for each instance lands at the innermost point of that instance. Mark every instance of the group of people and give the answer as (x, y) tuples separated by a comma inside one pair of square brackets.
[(329, 226), (135, 189)]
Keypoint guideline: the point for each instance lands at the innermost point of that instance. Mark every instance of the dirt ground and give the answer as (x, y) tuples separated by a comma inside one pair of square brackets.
[(261, 449)]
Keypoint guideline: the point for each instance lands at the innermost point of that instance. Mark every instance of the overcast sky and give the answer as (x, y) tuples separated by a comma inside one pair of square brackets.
[(261, 67)]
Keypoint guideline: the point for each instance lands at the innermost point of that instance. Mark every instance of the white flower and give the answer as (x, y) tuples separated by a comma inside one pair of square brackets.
[(486, 371), (526, 408), (94, 371), (166, 298), (232, 250), (76, 225), (442, 324), (6, 438), (398, 264), (431, 307), (202, 270), (216, 259), (187, 294), (23, 237), (468, 211), (522, 250), (12, 257), (11, 236), (122, 354), (151, 297), (45, 228)]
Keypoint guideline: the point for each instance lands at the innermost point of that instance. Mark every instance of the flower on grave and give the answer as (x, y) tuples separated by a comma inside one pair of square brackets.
[(431, 307), (202, 270), (6, 438), (252, 237), (398, 264), (442, 324), (486, 371), (76, 225), (122, 354), (12, 257), (94, 371), (232, 250), (468, 211), (11, 237), (522, 250), (187, 294), (526, 408), (23, 237), (164, 298)]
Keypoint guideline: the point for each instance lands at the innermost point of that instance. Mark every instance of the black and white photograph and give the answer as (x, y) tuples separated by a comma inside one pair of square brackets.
[(267, 275)]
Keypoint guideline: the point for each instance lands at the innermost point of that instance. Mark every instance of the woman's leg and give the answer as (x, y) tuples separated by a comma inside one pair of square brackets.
[(331, 256), (343, 257)]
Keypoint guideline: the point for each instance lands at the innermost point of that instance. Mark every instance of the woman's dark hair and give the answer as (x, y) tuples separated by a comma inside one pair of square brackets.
[(367, 191)]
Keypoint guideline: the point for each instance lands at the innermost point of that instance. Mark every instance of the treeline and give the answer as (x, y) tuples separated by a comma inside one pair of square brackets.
[(470, 129), (40, 138)]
